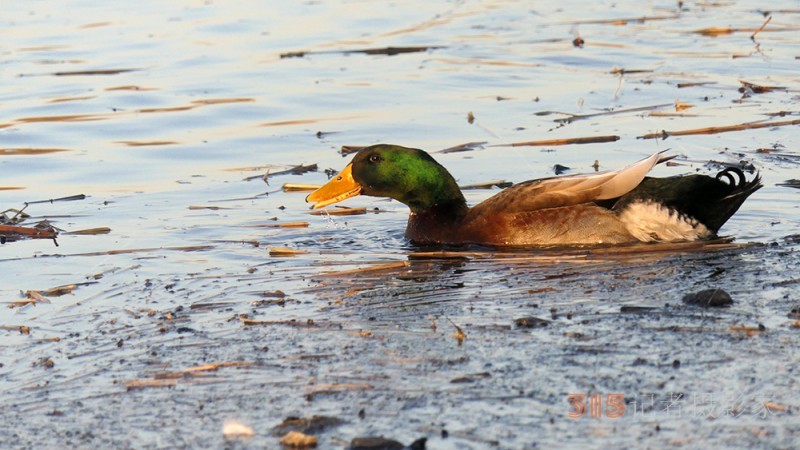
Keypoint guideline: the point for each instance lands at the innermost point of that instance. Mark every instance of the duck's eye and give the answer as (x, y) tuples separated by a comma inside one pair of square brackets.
[(375, 158)]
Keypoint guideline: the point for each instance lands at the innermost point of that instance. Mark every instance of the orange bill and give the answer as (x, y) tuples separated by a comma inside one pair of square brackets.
[(339, 188)]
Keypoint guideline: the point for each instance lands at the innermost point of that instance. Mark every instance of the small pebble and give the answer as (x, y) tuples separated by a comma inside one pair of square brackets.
[(375, 443), (531, 322), (709, 298)]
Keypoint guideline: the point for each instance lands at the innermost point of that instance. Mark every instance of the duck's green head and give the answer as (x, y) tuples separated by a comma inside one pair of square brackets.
[(408, 175)]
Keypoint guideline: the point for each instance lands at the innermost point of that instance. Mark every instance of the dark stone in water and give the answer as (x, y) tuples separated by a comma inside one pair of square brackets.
[(306, 425), (419, 444), (709, 298), (531, 322), (375, 443)]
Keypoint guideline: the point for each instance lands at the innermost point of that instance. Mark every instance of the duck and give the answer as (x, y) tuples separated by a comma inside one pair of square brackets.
[(622, 206)]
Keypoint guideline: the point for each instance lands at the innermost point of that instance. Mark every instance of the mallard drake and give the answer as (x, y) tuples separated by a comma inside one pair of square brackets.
[(614, 207)]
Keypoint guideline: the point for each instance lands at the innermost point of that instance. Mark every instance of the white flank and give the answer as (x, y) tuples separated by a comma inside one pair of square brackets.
[(648, 221)]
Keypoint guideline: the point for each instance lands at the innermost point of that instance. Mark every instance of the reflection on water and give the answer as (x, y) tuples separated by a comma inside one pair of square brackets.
[(159, 112)]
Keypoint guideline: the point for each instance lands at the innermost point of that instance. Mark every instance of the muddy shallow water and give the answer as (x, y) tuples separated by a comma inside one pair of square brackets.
[(181, 318)]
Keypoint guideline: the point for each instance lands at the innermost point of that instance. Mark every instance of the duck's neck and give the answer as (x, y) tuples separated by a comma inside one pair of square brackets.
[(437, 224), (431, 189)]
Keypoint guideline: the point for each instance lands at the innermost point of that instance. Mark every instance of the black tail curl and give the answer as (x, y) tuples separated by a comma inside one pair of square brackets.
[(734, 182)]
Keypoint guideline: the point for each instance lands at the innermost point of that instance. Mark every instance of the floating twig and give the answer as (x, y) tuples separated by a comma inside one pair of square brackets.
[(299, 169), (758, 89), (622, 21), (694, 83), (469, 146), (284, 251), (723, 129), (339, 211), (502, 184), (567, 141), (459, 334), (388, 51), (298, 187), (68, 73), (368, 270), (574, 117), (90, 231), (62, 199), (40, 231), (292, 323), (279, 225), (753, 36), (350, 149)]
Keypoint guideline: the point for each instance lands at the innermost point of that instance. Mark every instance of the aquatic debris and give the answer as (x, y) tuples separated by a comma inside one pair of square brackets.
[(709, 298), (299, 169), (471, 378), (233, 430), (283, 251), (89, 231), (142, 384), (629, 309), (531, 322), (381, 443), (623, 71), (30, 151), (469, 146), (68, 198), (146, 143), (295, 439), (459, 334), (349, 149), (297, 187), (694, 83), (719, 31), (196, 374), (31, 298), (42, 230), (575, 117), (465, 256), (375, 443), (502, 184), (23, 329), (388, 51), (307, 425), (274, 294), (215, 366), (775, 407), (368, 270), (722, 129), (761, 28), (71, 73), (749, 331), (621, 21), (339, 211), (211, 208), (291, 322), (58, 291), (748, 88), (567, 141), (129, 87), (323, 389), (279, 225), (191, 248)]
